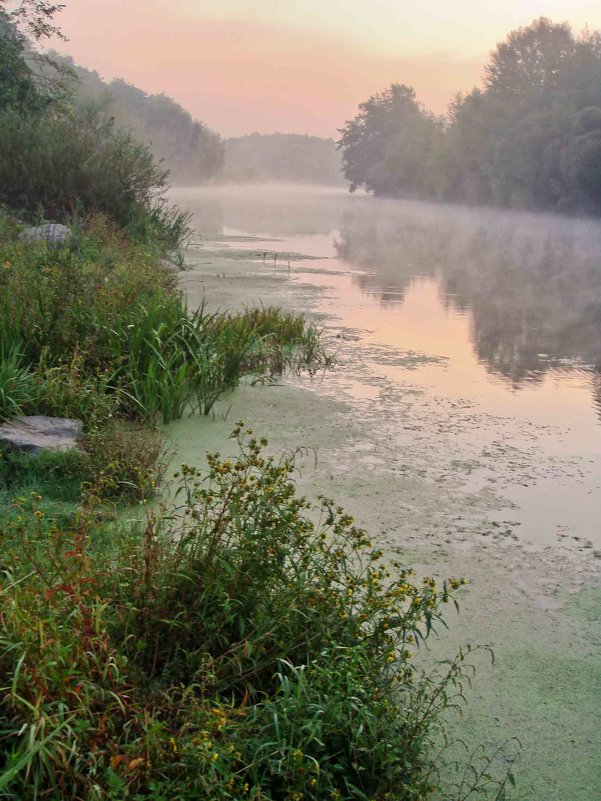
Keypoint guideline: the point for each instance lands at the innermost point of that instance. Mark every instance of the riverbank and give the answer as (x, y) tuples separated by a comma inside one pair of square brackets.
[(406, 465)]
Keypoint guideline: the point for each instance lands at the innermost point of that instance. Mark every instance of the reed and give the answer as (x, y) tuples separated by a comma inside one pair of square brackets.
[(16, 380)]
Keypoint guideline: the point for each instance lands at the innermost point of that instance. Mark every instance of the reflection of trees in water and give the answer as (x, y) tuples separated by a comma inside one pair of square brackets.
[(389, 244), (531, 284), (597, 392)]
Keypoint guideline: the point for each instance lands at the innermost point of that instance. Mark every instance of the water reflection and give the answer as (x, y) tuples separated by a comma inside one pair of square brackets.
[(597, 392), (531, 284)]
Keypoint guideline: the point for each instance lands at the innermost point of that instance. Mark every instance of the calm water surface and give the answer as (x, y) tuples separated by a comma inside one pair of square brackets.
[(497, 312)]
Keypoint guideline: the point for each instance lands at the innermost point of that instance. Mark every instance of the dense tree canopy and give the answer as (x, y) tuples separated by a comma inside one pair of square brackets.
[(529, 138), (17, 84), (387, 146), (29, 79)]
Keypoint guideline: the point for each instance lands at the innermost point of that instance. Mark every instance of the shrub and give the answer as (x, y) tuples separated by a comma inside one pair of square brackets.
[(234, 648), (66, 391), (65, 165), (124, 463), (117, 463), (58, 475), (108, 330)]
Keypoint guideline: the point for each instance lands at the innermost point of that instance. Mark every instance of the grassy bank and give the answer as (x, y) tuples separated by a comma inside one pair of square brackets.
[(99, 331)]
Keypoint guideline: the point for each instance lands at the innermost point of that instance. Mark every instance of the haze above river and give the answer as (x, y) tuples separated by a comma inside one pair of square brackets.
[(488, 323)]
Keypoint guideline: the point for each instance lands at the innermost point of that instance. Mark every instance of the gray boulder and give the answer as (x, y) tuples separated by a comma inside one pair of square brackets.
[(37, 433), (167, 264), (56, 235)]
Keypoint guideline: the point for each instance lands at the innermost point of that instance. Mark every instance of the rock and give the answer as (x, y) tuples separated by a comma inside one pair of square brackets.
[(37, 433), (169, 265), (56, 235)]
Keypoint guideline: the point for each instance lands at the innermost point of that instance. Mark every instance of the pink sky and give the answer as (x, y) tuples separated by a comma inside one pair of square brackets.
[(274, 65)]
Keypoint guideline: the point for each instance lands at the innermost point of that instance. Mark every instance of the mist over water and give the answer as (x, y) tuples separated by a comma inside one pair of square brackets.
[(529, 283), (499, 311)]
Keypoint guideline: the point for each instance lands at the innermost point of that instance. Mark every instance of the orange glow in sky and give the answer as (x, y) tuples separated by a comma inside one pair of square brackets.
[(277, 65)]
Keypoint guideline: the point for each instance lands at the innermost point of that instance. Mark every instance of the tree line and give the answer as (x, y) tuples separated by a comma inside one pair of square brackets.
[(530, 137), (190, 150), (282, 157)]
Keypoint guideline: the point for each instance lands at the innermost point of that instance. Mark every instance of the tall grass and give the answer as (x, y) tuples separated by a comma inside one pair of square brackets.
[(173, 360), (170, 361), (16, 381), (109, 309)]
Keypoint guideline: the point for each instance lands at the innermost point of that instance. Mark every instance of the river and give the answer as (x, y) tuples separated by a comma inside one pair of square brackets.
[(461, 425)]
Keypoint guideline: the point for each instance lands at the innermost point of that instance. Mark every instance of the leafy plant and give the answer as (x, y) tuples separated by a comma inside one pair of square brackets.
[(16, 381)]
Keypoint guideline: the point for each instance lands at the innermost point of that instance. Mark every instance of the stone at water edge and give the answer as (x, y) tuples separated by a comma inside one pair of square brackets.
[(55, 234), (167, 264), (37, 433)]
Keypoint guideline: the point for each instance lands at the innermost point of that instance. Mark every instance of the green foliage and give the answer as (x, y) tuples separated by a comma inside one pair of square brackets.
[(98, 331), (17, 82), (123, 463), (235, 648), (16, 381), (34, 18), (530, 138), (58, 475), (169, 360), (65, 165), (115, 462), (61, 301), (67, 390)]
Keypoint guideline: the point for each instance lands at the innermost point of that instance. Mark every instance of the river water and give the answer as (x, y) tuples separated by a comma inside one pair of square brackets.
[(461, 426), (471, 339)]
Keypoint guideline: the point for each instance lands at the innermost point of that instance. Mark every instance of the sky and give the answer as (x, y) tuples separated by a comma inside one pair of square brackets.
[(297, 67)]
